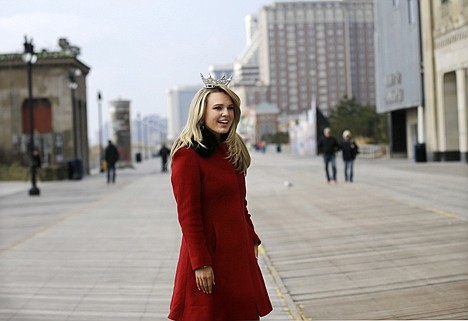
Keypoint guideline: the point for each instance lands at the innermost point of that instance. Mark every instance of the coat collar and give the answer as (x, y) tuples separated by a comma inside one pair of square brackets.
[(209, 143)]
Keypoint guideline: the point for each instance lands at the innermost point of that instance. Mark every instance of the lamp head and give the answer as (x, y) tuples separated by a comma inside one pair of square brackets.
[(28, 55)]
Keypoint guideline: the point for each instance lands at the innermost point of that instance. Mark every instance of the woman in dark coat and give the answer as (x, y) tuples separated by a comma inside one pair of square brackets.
[(217, 276), (349, 149)]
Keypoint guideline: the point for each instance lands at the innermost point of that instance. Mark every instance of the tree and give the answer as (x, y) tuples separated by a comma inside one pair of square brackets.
[(361, 120)]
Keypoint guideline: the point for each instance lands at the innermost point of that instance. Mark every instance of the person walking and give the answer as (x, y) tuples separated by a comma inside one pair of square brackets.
[(112, 156), (217, 277), (164, 153), (328, 145), (349, 151), (37, 163)]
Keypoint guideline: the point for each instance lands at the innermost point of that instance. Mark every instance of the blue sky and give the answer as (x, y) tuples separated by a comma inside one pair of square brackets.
[(137, 50)]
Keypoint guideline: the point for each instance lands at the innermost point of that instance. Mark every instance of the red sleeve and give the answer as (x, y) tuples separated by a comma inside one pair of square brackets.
[(186, 185), (255, 237)]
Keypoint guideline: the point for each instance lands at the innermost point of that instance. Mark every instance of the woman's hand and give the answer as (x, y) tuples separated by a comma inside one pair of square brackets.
[(256, 251), (205, 279)]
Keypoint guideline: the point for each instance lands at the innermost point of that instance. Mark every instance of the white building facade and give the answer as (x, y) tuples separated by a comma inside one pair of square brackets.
[(445, 52)]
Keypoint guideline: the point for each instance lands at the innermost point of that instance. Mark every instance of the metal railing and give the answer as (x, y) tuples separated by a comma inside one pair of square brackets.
[(369, 151)]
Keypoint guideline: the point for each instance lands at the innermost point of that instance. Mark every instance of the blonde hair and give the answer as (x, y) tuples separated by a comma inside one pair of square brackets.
[(346, 133), (237, 151)]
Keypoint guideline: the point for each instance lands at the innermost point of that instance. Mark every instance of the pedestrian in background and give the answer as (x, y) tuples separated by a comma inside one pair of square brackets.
[(217, 277), (349, 150), (328, 145), (37, 163), (164, 153), (112, 156)]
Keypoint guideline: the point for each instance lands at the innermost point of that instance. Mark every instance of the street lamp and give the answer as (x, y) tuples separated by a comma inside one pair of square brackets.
[(72, 74), (30, 58), (101, 154)]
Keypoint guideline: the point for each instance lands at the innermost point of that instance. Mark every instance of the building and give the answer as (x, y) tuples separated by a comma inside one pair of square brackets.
[(422, 63), (60, 122), (258, 123), (299, 51), (246, 81), (148, 133), (178, 103), (121, 131), (444, 27), (218, 71), (398, 73), (266, 121)]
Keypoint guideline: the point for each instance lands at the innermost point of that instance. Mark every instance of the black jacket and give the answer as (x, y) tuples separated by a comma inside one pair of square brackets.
[(328, 145), (164, 152), (112, 154), (350, 150)]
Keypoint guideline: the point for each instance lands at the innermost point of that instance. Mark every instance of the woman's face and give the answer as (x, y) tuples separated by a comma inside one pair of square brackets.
[(219, 113)]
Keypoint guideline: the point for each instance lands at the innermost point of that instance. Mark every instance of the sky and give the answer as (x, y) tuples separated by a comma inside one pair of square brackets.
[(137, 50)]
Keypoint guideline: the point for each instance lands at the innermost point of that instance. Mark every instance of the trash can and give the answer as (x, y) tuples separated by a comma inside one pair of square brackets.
[(420, 153), (78, 168), (138, 157), (75, 169)]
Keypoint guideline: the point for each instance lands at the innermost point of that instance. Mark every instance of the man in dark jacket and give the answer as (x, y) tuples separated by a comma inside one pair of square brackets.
[(328, 145), (112, 156), (164, 153)]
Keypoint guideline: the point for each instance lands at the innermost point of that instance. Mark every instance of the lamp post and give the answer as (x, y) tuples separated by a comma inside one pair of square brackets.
[(72, 74), (101, 154), (139, 144), (145, 137), (30, 58)]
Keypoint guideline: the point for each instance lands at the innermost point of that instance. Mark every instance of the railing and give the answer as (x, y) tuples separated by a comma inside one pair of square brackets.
[(371, 151)]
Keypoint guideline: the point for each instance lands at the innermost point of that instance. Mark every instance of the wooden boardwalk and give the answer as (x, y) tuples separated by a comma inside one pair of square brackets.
[(392, 245)]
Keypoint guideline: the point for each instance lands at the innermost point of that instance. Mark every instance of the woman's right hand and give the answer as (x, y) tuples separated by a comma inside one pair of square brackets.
[(205, 279)]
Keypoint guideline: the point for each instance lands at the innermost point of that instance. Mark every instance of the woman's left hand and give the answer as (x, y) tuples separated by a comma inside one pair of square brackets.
[(256, 251)]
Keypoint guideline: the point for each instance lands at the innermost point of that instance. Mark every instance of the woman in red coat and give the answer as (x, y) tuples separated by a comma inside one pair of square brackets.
[(217, 276)]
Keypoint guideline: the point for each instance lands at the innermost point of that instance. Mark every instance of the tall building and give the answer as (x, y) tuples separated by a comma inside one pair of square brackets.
[(304, 51), (178, 103), (246, 80), (444, 27)]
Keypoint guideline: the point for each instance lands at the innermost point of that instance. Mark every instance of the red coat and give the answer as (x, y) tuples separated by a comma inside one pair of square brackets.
[(217, 231)]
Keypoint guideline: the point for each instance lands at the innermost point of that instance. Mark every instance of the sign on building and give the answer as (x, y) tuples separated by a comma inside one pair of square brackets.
[(398, 55)]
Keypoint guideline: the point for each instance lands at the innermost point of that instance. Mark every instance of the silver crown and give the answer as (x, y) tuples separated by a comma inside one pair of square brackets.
[(210, 82)]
